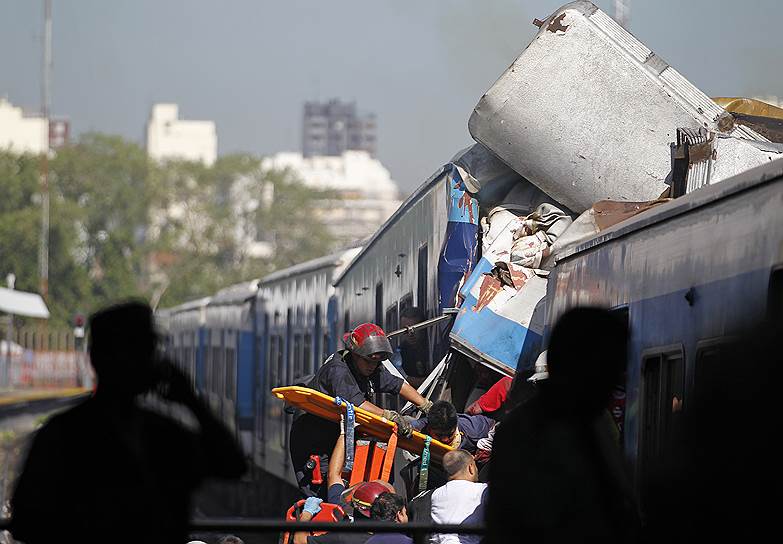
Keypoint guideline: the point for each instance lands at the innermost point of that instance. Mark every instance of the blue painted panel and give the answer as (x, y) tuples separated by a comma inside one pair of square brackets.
[(721, 308), (245, 379), (460, 248), (496, 338)]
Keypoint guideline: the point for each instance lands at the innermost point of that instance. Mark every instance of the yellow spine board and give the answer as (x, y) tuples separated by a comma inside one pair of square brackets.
[(322, 405)]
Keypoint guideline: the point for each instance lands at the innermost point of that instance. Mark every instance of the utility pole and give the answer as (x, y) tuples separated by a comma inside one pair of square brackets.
[(43, 253)]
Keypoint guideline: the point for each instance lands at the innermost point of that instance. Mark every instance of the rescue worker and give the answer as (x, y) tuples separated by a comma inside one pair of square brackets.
[(362, 500), (356, 375)]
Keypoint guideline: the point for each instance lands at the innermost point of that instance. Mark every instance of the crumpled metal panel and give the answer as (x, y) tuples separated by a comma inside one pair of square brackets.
[(703, 158), (587, 112)]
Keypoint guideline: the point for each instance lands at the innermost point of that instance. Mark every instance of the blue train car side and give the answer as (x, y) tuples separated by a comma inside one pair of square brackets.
[(231, 363), (687, 276), (296, 332)]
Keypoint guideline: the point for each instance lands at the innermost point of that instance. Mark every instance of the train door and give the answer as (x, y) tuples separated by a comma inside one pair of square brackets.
[(662, 390)]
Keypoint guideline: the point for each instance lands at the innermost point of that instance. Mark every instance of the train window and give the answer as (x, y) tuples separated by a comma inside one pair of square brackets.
[(392, 322), (663, 385), (298, 361), (775, 296), (272, 363), (317, 348), (710, 368), (421, 286), (379, 304), (217, 367), (282, 379), (347, 321), (406, 302), (307, 353), (231, 373)]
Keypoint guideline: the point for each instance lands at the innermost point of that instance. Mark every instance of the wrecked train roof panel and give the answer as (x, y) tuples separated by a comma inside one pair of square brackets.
[(587, 112), (706, 196)]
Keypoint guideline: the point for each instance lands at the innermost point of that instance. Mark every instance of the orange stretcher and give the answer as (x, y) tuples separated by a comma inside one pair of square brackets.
[(322, 405)]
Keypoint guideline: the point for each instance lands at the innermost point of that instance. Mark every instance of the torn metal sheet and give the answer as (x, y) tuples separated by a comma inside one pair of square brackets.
[(587, 112), (459, 252), (501, 319), (474, 176), (601, 216), (703, 158)]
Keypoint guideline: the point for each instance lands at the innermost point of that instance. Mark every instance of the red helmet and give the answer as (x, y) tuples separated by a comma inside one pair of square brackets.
[(368, 340), (365, 494)]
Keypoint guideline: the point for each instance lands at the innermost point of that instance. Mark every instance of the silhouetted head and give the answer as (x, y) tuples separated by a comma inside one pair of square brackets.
[(122, 348), (586, 357)]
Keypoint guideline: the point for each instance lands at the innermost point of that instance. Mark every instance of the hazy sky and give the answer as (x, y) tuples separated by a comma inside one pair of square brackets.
[(420, 65)]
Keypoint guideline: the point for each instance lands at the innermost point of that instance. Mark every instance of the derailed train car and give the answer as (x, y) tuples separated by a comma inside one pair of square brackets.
[(664, 268)]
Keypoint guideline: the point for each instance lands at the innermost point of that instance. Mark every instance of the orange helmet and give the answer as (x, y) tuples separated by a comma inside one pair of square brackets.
[(369, 341), (364, 494)]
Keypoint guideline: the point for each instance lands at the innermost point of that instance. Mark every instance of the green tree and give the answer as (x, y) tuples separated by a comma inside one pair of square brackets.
[(123, 226)]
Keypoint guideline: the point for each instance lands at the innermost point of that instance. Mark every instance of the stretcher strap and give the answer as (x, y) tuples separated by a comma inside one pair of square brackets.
[(425, 465), (350, 419), (391, 448)]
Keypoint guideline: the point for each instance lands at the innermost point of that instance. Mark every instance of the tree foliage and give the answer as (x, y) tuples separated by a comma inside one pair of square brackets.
[(123, 226)]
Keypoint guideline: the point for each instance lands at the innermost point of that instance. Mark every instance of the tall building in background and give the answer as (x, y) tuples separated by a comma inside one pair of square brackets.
[(169, 137), (333, 127), (365, 195), (21, 133)]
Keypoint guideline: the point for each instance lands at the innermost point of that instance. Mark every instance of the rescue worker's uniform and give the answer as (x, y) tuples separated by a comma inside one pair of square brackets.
[(337, 377)]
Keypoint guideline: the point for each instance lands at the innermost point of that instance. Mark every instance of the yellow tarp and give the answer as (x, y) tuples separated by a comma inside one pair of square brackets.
[(749, 106)]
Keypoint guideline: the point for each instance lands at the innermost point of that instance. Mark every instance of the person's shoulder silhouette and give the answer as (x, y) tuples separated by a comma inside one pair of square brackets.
[(554, 473), (109, 469)]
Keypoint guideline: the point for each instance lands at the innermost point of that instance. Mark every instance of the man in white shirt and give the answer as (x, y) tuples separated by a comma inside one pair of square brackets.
[(461, 500)]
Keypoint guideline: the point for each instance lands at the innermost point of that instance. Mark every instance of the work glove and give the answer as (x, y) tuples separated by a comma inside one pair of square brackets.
[(425, 407), (312, 505), (403, 425)]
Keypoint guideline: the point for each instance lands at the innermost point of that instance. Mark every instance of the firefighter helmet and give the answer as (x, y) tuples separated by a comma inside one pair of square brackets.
[(369, 341), (364, 494)]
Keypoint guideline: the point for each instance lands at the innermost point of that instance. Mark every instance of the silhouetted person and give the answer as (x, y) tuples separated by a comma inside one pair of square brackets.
[(556, 474), (108, 470), (721, 479)]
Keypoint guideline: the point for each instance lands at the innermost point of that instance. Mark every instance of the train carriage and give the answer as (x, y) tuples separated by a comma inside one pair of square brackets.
[(231, 363), (296, 332), (687, 276), (187, 338)]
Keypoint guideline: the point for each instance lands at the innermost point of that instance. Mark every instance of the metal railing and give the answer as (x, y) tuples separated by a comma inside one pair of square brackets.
[(418, 531)]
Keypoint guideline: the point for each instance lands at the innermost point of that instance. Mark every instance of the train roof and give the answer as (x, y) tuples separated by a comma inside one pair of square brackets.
[(190, 305), (414, 196), (239, 292), (705, 196), (331, 260)]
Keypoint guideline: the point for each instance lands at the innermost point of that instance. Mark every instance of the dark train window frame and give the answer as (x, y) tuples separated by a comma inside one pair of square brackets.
[(391, 321), (379, 304), (317, 337), (704, 350), (307, 352), (653, 441), (422, 278)]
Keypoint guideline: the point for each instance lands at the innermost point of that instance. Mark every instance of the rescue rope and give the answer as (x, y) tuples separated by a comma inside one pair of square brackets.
[(350, 419), (424, 472)]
